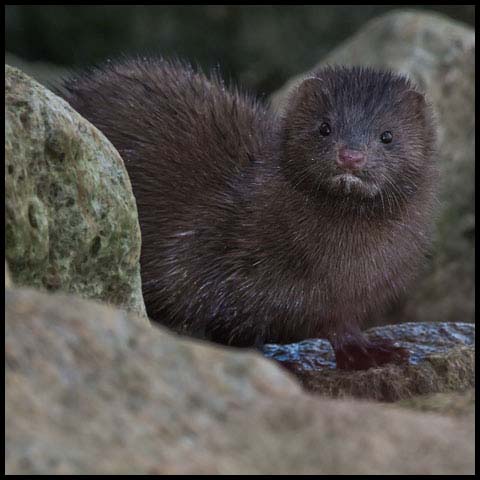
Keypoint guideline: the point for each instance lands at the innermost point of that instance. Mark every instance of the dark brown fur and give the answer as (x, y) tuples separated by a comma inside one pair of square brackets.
[(246, 237)]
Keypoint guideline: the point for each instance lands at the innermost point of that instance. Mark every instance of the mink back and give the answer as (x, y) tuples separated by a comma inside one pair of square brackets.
[(186, 141)]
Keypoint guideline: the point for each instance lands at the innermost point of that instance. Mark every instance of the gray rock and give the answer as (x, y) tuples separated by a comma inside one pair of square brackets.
[(439, 55), (44, 73), (92, 390), (70, 215), (8, 278)]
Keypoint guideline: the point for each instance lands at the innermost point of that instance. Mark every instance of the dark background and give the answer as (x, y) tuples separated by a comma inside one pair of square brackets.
[(259, 46)]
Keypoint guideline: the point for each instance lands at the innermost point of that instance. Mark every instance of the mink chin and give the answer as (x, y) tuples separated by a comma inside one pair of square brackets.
[(259, 228)]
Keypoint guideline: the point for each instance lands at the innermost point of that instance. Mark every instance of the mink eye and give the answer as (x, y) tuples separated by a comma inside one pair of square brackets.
[(386, 137), (324, 129)]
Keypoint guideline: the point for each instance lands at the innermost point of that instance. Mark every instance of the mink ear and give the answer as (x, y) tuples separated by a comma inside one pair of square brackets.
[(309, 91), (417, 106), (417, 100), (310, 87)]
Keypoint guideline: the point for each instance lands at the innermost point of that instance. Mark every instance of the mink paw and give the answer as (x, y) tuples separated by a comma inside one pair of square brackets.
[(360, 356)]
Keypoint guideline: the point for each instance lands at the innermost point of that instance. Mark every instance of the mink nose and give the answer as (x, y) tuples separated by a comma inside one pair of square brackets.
[(351, 159)]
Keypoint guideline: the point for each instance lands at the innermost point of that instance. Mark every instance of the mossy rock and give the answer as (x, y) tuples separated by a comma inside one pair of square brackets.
[(70, 216)]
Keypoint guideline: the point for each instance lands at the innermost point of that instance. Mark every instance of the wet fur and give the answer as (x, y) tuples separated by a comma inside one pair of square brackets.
[(245, 240)]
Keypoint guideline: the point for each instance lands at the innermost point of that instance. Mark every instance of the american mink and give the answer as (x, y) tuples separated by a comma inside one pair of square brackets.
[(263, 229)]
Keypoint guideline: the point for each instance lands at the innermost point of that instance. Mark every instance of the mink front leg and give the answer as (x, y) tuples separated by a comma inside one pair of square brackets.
[(355, 352)]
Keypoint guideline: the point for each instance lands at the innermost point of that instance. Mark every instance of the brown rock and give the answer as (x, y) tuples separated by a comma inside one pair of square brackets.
[(455, 404), (90, 389), (445, 372)]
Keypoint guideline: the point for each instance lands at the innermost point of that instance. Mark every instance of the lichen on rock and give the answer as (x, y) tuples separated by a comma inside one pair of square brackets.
[(70, 215)]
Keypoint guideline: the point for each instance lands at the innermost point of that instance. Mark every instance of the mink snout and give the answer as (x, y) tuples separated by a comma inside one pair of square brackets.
[(349, 159)]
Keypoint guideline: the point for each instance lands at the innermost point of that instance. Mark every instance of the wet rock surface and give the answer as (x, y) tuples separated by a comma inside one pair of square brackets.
[(421, 340), (442, 358)]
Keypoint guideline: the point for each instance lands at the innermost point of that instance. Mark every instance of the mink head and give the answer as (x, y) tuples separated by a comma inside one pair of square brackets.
[(357, 133)]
